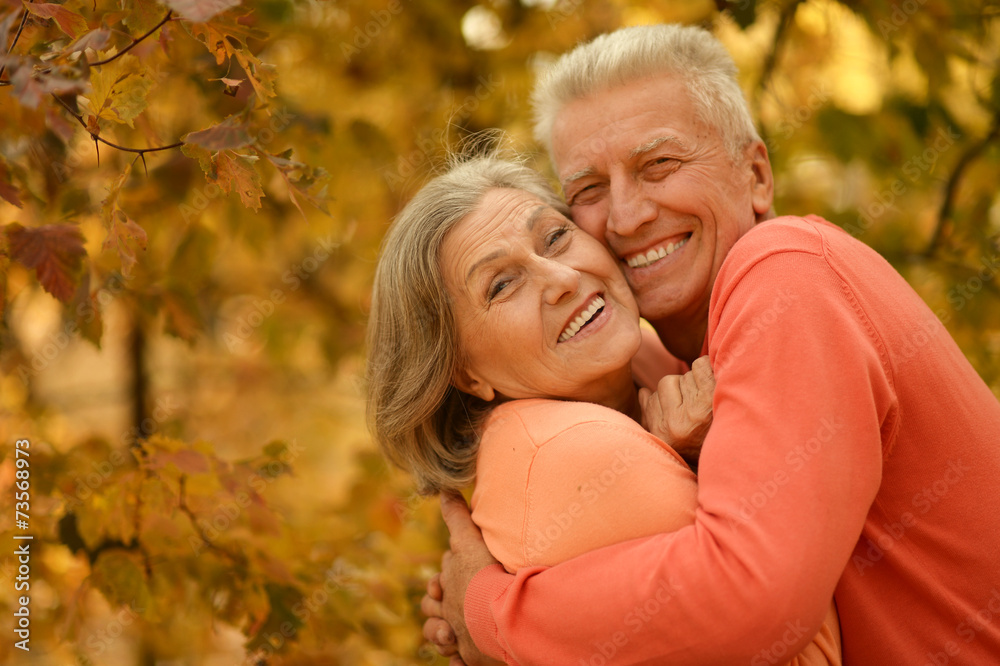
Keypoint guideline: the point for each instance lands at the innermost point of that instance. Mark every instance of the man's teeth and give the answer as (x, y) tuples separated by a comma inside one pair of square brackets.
[(582, 319), (641, 260)]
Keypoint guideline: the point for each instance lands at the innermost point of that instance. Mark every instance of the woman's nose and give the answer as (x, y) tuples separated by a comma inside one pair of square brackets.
[(558, 280)]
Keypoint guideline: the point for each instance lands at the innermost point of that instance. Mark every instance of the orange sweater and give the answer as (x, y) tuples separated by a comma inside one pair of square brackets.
[(853, 448), (557, 479)]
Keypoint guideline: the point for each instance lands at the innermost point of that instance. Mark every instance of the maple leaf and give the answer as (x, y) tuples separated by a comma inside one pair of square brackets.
[(227, 134), (238, 171), (7, 190), (124, 229), (200, 11), (118, 90), (68, 21), (55, 251)]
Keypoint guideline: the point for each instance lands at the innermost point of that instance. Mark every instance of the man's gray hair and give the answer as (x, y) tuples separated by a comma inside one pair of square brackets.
[(640, 52)]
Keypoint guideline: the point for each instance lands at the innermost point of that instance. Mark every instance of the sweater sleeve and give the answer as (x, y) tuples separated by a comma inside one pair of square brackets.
[(787, 475)]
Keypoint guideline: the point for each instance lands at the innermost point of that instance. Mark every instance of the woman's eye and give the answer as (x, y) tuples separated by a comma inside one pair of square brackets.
[(556, 235), (497, 287)]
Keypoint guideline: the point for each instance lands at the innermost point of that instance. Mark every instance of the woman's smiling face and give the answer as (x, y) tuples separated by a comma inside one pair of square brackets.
[(542, 309)]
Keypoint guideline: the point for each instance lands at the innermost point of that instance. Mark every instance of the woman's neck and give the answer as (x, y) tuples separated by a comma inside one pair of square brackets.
[(618, 391)]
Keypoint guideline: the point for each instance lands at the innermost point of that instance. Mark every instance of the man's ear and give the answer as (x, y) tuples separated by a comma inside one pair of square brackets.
[(471, 383), (762, 184)]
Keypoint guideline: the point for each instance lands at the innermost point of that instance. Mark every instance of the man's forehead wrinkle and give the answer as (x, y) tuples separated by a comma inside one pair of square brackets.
[(654, 144)]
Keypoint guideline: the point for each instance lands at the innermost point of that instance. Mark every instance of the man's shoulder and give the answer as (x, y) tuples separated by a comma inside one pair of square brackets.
[(788, 233), (543, 420)]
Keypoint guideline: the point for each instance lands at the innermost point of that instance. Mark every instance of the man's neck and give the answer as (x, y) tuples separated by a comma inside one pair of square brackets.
[(684, 337)]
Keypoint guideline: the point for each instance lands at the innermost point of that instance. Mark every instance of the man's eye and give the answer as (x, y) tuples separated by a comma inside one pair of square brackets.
[(588, 195)]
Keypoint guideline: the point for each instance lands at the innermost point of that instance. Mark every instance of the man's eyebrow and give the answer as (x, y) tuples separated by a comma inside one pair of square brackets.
[(655, 143), (582, 173)]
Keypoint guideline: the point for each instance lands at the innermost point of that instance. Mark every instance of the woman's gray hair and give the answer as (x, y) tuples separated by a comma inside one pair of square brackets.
[(631, 54), (420, 421)]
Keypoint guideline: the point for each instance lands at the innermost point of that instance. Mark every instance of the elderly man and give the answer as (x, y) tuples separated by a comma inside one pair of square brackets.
[(854, 450)]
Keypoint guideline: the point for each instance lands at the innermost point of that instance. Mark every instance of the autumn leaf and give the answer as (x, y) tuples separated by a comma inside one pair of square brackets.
[(68, 21), (200, 11), (227, 134), (123, 230), (119, 90), (7, 190), (55, 251), (237, 171)]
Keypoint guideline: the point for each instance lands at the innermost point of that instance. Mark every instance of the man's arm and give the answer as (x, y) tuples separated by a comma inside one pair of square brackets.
[(788, 473)]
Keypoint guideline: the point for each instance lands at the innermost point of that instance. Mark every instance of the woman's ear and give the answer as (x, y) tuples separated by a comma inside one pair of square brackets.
[(470, 383)]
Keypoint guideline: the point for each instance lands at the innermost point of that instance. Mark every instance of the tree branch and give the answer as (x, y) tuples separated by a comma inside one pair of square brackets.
[(24, 19), (96, 138), (954, 180), (135, 42), (771, 61)]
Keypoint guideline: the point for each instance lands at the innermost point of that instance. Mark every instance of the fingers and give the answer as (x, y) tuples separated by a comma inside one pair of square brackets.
[(456, 661), (701, 371), (431, 607), (439, 632), (457, 517), (434, 589)]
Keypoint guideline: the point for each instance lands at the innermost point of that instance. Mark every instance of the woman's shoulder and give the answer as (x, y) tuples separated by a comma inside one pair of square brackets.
[(542, 420)]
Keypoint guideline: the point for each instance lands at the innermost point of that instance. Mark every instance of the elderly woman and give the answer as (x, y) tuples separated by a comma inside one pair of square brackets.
[(501, 350)]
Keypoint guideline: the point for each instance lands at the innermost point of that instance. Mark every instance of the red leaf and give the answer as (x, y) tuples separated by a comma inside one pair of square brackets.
[(7, 190), (225, 135), (55, 251), (200, 11), (69, 22)]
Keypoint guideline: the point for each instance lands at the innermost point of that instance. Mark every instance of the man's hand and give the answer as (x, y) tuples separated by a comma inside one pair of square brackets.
[(444, 603), (680, 411)]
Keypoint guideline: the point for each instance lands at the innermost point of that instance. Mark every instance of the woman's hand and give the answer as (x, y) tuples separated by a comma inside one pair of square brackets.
[(680, 411)]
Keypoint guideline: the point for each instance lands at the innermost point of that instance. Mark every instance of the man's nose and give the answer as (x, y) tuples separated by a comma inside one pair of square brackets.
[(629, 207)]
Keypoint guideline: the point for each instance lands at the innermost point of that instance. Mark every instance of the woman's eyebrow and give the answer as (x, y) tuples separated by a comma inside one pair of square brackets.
[(535, 215)]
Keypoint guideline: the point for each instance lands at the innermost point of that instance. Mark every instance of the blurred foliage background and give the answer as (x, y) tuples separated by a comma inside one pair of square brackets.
[(182, 331)]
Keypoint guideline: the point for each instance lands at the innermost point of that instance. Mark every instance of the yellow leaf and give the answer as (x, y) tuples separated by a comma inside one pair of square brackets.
[(237, 171)]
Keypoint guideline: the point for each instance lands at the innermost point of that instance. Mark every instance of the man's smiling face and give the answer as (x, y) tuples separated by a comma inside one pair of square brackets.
[(643, 173)]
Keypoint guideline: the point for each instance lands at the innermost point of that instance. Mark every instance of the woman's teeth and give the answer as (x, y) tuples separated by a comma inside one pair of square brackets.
[(582, 319), (641, 260)]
